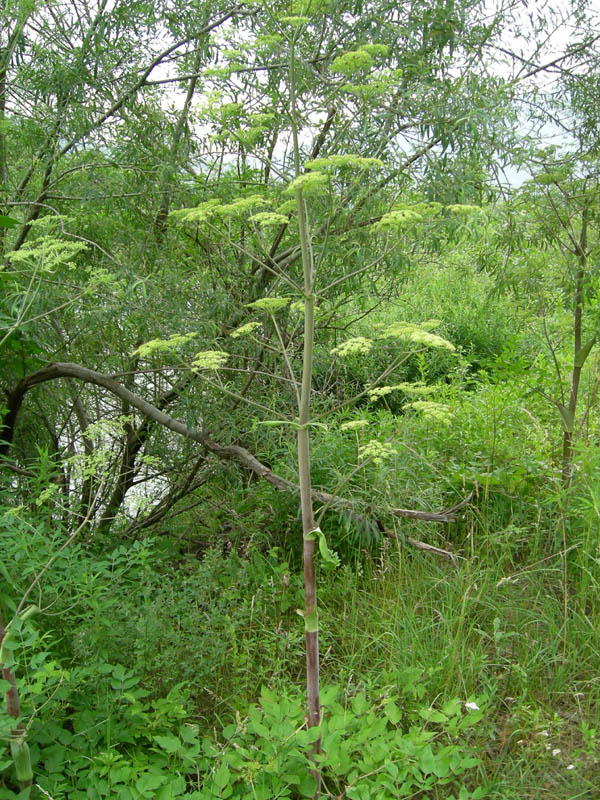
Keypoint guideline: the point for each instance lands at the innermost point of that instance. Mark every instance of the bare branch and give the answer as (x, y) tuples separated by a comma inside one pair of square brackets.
[(231, 452)]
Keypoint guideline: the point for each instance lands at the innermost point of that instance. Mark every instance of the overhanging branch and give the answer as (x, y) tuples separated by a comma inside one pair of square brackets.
[(231, 452)]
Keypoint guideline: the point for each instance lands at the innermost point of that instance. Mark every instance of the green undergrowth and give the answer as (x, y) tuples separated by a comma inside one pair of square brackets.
[(146, 673), (378, 742)]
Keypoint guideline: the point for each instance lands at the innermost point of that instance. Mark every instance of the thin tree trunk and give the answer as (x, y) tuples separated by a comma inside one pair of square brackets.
[(166, 194), (578, 358), (135, 439)]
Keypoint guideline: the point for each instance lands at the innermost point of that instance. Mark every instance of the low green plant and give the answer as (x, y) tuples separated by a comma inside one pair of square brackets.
[(101, 734), (374, 744), (102, 737)]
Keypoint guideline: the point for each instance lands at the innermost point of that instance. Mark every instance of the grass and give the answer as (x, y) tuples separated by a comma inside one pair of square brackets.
[(476, 630), (479, 629), (510, 622)]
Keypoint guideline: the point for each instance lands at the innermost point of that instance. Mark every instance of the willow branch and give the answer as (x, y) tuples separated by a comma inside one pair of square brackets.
[(231, 452)]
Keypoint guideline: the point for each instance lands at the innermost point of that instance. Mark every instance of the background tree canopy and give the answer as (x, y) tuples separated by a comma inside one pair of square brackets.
[(226, 229)]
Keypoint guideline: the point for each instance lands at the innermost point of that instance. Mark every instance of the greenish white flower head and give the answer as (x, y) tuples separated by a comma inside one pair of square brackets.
[(209, 359), (376, 451), (357, 345)]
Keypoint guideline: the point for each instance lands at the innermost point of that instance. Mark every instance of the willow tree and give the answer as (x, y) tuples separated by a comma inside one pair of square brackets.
[(96, 154)]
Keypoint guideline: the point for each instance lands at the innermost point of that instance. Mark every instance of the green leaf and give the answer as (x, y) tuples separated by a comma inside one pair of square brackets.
[(441, 765), (330, 558), (189, 733), (260, 729), (313, 734), (431, 715), (427, 762), (311, 622), (222, 776), (148, 782), (175, 788), (255, 714), (6, 574), (23, 795), (360, 704), (267, 696), (169, 743), (582, 354), (329, 695), (568, 418), (8, 222), (452, 708), (392, 712), (307, 786)]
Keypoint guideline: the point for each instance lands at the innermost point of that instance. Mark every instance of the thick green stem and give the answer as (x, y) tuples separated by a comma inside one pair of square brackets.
[(304, 477), (12, 697), (18, 744), (308, 522)]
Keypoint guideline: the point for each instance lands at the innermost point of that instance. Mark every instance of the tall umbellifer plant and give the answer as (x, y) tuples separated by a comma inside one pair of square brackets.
[(312, 179), (309, 531)]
